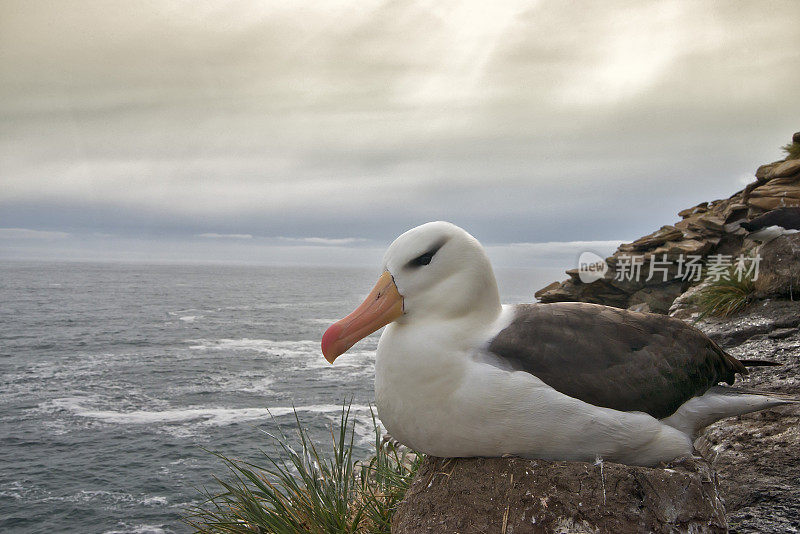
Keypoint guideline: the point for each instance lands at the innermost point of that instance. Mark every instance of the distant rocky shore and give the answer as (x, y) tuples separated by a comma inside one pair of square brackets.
[(749, 481)]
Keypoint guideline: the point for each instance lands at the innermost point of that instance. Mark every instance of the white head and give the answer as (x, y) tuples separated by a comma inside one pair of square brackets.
[(441, 271), (433, 271)]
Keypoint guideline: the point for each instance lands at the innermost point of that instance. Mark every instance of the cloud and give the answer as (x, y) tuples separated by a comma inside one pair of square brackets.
[(25, 233), (325, 240), (224, 236), (517, 120)]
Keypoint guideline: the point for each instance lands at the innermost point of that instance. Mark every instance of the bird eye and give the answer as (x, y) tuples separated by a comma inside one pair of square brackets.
[(424, 259)]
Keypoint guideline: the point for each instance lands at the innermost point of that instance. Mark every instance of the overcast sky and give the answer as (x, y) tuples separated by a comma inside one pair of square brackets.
[(290, 130)]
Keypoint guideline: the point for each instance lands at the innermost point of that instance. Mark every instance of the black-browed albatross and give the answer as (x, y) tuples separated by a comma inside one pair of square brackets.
[(457, 374), (773, 224)]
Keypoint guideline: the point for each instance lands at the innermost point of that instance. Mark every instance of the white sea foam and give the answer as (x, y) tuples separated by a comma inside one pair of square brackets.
[(200, 415), (306, 352), (283, 348), (248, 384), (20, 490), (56, 428), (226, 382), (138, 529), (113, 498), (155, 500), (31, 493), (323, 321)]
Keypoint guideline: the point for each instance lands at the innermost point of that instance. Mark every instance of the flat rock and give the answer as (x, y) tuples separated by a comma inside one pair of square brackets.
[(779, 270), (688, 212), (685, 306), (764, 170), (660, 236), (782, 333), (777, 193), (761, 317), (712, 222), (787, 168), (549, 287), (658, 299), (598, 292), (514, 495), (685, 247), (757, 456)]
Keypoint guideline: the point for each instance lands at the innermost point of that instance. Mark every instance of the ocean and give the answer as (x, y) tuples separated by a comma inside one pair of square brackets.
[(117, 380)]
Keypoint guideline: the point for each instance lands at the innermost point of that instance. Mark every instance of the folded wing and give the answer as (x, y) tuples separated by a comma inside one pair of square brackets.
[(614, 358)]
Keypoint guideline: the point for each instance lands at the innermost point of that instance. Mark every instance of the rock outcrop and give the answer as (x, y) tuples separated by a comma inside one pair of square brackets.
[(779, 274), (513, 495), (709, 228), (757, 456)]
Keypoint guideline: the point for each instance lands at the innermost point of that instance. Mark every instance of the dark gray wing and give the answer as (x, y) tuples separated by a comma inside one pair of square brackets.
[(787, 218), (614, 358)]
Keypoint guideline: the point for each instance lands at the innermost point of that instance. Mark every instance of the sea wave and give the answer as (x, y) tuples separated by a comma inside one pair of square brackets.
[(201, 415), (322, 321), (112, 498), (226, 382), (307, 352), (24, 491), (138, 529), (286, 348)]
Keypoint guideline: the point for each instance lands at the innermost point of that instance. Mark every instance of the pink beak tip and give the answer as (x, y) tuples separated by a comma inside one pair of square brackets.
[(329, 339)]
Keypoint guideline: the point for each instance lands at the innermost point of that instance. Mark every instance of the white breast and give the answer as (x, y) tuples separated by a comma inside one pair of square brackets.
[(441, 396)]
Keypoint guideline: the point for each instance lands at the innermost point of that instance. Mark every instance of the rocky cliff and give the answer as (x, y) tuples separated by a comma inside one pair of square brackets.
[(705, 230), (512, 495)]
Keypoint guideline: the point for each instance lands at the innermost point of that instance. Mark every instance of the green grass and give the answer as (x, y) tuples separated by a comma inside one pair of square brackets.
[(724, 298), (792, 150), (304, 490)]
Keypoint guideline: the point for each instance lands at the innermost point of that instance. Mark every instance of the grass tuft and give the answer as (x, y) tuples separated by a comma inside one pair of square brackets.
[(724, 298), (792, 150), (304, 491)]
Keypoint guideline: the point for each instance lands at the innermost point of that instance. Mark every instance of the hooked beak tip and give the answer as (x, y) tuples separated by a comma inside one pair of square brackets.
[(329, 342)]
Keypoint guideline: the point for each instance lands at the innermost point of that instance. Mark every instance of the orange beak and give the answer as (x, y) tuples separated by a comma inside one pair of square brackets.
[(383, 305)]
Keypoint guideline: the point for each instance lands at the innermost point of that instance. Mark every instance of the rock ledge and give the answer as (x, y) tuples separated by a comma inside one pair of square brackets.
[(514, 495)]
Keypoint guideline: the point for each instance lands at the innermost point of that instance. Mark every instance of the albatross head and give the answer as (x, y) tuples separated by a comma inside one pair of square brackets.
[(436, 271)]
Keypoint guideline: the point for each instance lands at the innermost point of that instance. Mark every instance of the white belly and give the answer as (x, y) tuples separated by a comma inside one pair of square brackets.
[(451, 405)]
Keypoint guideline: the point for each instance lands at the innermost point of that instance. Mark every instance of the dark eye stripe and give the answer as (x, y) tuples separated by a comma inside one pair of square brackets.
[(424, 259)]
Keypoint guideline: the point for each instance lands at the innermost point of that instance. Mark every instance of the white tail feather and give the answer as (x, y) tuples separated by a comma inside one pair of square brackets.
[(718, 403)]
